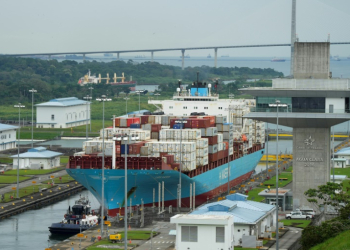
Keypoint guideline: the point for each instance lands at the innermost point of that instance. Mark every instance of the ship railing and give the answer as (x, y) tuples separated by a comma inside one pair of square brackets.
[(186, 94), (290, 109)]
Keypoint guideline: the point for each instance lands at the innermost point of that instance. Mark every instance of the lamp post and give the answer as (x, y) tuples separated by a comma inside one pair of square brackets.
[(19, 106), (180, 166), (126, 139), (267, 150), (103, 99), (87, 98), (32, 91), (153, 230), (91, 88), (277, 104), (126, 105), (139, 93)]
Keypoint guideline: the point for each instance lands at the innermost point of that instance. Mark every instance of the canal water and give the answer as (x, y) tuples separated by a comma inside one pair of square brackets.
[(29, 230)]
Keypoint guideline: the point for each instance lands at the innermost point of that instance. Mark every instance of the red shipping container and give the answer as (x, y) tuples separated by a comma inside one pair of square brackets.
[(211, 119), (200, 123), (117, 122), (220, 154), (144, 119), (133, 120), (213, 157), (188, 123), (212, 140), (156, 127), (226, 142)]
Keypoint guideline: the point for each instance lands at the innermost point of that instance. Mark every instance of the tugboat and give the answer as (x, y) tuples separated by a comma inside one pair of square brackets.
[(79, 219)]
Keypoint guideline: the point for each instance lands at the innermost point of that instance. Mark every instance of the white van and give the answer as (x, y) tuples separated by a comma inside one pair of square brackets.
[(307, 210)]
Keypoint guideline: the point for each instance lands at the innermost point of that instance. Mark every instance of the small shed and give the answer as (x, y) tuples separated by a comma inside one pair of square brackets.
[(284, 200), (341, 155), (37, 158)]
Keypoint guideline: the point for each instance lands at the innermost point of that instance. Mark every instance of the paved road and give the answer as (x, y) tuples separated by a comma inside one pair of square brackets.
[(288, 239)]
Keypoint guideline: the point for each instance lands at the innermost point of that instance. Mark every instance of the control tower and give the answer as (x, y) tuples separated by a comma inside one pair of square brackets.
[(313, 103)]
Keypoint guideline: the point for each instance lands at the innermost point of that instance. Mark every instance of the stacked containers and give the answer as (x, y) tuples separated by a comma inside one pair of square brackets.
[(227, 131)]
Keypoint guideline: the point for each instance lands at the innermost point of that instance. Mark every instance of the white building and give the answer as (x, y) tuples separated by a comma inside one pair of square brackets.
[(62, 113), (343, 159), (37, 158), (250, 218), (7, 136), (197, 232)]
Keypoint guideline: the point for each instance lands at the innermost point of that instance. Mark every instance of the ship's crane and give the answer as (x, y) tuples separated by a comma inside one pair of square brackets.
[(115, 78), (106, 78)]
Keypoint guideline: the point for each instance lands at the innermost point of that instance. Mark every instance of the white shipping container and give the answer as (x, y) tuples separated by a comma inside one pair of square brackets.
[(155, 147), (154, 155), (163, 147), (189, 165), (145, 151), (211, 131), (230, 151), (200, 152), (220, 119), (162, 135), (220, 137), (213, 148), (220, 127), (228, 135), (220, 146), (157, 119), (202, 143), (228, 127), (201, 161), (189, 156)]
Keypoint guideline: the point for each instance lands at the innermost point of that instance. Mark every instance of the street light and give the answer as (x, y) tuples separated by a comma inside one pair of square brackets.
[(19, 106), (139, 93), (91, 88), (32, 91), (125, 138), (126, 105), (153, 230), (87, 111), (277, 104), (103, 99)]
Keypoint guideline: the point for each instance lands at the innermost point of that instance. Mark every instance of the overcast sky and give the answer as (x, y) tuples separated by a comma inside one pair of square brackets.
[(33, 26)]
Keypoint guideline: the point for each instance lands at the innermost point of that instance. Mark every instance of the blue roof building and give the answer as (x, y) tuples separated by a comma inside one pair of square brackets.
[(37, 158), (249, 217), (63, 113)]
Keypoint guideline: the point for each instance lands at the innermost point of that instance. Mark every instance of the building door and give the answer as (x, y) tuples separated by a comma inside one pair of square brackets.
[(330, 108)]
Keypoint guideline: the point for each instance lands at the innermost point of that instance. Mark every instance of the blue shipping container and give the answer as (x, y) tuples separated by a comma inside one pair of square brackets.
[(135, 125), (178, 126), (122, 149)]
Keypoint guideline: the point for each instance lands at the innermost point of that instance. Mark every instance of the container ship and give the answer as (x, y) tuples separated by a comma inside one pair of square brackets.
[(275, 59), (200, 137)]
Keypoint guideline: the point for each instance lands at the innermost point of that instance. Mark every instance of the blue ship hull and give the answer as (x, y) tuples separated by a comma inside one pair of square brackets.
[(142, 182)]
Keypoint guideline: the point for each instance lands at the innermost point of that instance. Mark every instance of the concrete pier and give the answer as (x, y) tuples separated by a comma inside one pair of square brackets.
[(216, 57), (183, 59)]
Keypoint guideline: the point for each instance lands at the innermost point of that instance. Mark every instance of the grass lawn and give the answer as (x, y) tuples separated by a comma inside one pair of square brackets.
[(33, 171), (23, 192), (5, 160), (132, 235), (341, 171), (64, 159), (290, 169), (281, 183), (253, 194), (11, 179), (296, 223), (64, 179), (340, 242)]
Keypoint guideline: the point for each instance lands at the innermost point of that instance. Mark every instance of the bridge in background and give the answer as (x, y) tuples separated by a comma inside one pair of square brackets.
[(118, 52)]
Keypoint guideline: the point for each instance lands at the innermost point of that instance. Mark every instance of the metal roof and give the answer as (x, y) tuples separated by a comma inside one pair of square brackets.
[(300, 120), (39, 152), (244, 212), (343, 151), (63, 102), (4, 127)]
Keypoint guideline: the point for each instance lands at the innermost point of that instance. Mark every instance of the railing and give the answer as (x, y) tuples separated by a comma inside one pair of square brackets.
[(186, 94), (298, 110)]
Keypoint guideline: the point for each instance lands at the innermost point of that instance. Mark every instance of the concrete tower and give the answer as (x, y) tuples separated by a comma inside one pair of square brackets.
[(293, 36), (315, 102)]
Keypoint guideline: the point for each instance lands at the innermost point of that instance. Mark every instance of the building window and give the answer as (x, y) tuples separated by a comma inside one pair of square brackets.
[(9, 135), (52, 117), (220, 234), (195, 107), (52, 126), (219, 107), (171, 107), (185, 107), (205, 107), (189, 233)]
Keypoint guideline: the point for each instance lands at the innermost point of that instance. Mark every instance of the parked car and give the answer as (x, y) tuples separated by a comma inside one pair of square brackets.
[(299, 215), (306, 210)]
